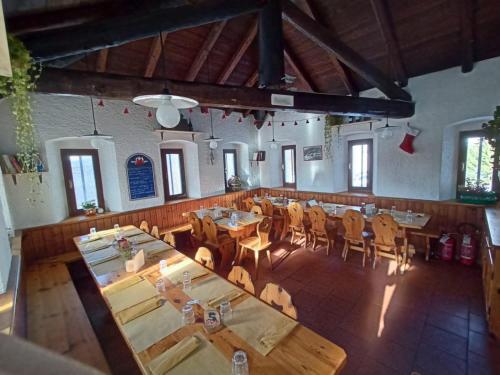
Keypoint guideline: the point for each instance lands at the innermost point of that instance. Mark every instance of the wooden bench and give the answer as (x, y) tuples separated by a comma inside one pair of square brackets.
[(175, 236), (56, 318), (427, 235)]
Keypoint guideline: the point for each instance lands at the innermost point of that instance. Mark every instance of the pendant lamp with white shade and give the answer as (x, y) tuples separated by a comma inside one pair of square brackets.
[(167, 105), (385, 131), (96, 133), (273, 143)]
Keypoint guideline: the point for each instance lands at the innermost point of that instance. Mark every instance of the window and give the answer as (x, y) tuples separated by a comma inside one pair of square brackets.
[(288, 166), (475, 165), (82, 177), (230, 165), (174, 181), (360, 165)]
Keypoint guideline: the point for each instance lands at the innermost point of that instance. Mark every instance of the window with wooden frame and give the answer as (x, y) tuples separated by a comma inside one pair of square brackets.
[(360, 168), (288, 166), (475, 165), (174, 181), (230, 166), (82, 177)]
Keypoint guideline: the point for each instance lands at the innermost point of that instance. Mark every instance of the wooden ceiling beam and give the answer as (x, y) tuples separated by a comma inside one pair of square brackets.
[(102, 60), (70, 82), (146, 22), (236, 58), (292, 60), (252, 80), (344, 75), (205, 49), (467, 21), (384, 20), (322, 37), (154, 54)]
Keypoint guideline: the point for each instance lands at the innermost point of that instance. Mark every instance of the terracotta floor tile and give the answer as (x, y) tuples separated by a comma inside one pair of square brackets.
[(449, 322), (445, 341), (430, 360)]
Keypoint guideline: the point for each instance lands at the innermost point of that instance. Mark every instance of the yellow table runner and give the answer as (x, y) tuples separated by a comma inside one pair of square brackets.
[(115, 265), (210, 288), (131, 296), (131, 232), (141, 238), (100, 256), (95, 245), (174, 272), (150, 328), (261, 326), (153, 247)]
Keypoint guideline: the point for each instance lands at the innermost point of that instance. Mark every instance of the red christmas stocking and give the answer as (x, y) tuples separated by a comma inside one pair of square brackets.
[(407, 144)]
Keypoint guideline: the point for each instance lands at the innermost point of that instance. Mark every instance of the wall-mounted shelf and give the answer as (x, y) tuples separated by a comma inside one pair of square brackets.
[(162, 132), (15, 175)]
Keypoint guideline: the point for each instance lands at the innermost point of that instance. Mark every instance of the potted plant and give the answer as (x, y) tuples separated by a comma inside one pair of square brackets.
[(89, 207), (492, 135), (476, 193)]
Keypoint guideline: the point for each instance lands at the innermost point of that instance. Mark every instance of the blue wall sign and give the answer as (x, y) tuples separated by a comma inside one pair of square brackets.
[(141, 177)]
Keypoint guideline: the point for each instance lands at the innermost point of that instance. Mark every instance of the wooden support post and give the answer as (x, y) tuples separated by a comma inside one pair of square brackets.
[(271, 58)]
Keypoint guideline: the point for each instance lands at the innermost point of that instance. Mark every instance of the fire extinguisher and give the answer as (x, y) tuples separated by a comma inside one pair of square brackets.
[(468, 247), (446, 247)]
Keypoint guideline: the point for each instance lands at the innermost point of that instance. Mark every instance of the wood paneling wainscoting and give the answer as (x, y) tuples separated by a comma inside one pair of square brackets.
[(56, 239)]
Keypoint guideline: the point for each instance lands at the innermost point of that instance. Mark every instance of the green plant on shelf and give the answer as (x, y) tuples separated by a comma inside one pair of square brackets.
[(492, 135), (89, 205)]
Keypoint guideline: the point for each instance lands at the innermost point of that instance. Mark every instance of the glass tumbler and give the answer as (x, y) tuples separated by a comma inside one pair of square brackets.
[(187, 315), (160, 285), (186, 280), (226, 312), (409, 216), (240, 363)]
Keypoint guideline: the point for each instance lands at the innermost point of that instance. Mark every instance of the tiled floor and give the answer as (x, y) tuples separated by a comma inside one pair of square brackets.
[(429, 320)]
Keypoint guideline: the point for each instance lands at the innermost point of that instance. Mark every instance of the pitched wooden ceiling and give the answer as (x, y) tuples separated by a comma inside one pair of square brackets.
[(403, 38)]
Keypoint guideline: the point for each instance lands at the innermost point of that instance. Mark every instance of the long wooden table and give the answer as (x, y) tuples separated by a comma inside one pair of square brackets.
[(301, 352)]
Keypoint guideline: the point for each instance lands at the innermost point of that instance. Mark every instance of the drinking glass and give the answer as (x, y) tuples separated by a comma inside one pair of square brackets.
[(320, 203), (240, 363), (187, 315), (186, 280), (409, 215), (116, 227), (393, 210), (160, 285), (226, 312), (93, 232), (163, 266)]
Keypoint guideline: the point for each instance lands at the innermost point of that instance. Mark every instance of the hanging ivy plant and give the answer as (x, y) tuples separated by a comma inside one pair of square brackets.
[(331, 122), (18, 87), (492, 130)]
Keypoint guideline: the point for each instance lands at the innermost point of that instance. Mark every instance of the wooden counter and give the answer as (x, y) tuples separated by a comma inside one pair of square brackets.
[(490, 259)]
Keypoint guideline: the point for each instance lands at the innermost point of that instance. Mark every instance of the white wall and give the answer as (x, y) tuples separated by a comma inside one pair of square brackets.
[(445, 101), (61, 120), (5, 252)]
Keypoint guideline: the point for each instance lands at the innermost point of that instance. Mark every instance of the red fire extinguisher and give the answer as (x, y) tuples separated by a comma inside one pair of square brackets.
[(468, 247), (446, 247)]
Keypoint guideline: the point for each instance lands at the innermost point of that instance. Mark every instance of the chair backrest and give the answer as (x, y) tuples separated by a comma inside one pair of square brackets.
[(241, 278), (318, 219), (233, 205), (155, 232), (267, 207), (279, 298), (144, 226), (196, 226), (205, 257), (263, 230), (210, 229), (354, 224), (248, 203), (256, 210), (296, 213), (385, 228)]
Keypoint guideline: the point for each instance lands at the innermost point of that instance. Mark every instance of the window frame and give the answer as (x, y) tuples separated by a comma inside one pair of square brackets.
[(462, 157), (163, 153), (369, 187), (234, 152), (68, 176), (283, 149)]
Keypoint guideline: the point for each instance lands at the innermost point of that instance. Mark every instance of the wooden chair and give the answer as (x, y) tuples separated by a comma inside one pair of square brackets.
[(258, 243), (256, 210), (321, 230), (241, 278), (279, 298), (386, 229), (155, 232), (205, 257), (247, 204), (268, 210), (214, 239), (354, 236), (197, 236), (297, 225), (233, 205), (144, 226)]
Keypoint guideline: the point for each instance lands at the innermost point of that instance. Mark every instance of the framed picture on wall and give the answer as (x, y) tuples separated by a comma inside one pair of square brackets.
[(313, 153)]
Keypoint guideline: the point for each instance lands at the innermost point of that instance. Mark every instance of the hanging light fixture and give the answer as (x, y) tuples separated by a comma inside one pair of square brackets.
[(167, 113), (385, 131), (212, 141), (273, 143), (96, 133)]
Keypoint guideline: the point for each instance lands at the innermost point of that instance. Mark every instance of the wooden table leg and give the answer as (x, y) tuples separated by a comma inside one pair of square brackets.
[(286, 222)]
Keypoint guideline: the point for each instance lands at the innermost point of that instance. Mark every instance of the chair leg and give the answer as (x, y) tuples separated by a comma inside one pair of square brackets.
[(293, 237), (364, 256), (328, 244), (242, 252), (344, 249), (269, 259), (314, 240), (256, 255), (427, 248), (375, 256)]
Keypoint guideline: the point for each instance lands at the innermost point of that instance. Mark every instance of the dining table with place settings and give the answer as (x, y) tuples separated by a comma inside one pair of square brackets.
[(280, 204), (149, 308)]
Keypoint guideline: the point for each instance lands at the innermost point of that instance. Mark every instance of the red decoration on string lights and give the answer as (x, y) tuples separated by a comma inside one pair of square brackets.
[(190, 110), (295, 123), (307, 121), (101, 103), (283, 124), (150, 114), (204, 110), (125, 111), (240, 120), (318, 119), (269, 123), (224, 116)]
